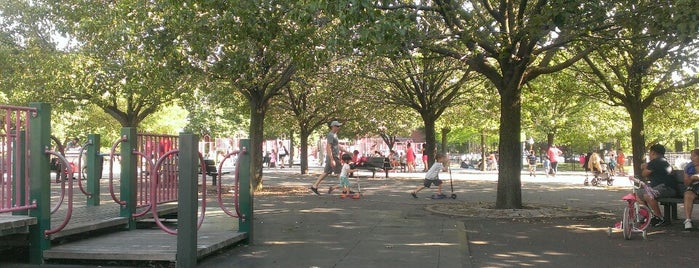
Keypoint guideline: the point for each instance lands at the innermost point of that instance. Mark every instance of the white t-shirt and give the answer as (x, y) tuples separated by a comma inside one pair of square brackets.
[(433, 173), (345, 170)]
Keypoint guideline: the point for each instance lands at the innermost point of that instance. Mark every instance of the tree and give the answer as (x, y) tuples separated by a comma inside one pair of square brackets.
[(314, 99), (644, 60), (511, 43), (127, 62), (426, 83), (254, 47)]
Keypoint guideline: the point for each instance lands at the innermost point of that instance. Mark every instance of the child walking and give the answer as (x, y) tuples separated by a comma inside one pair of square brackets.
[(547, 166), (344, 175), (432, 177)]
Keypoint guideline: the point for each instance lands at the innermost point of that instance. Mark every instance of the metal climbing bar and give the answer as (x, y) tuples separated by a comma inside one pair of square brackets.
[(14, 161), (150, 148), (69, 213), (236, 184)]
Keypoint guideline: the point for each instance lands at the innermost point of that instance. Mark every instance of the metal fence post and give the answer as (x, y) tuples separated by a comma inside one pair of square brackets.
[(94, 169), (40, 181), (187, 202), (245, 195), (128, 175)]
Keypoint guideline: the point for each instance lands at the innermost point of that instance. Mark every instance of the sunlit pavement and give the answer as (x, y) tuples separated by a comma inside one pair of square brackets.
[(389, 228)]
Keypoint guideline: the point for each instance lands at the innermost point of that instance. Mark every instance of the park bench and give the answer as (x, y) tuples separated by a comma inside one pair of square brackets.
[(670, 203), (374, 164), (212, 170)]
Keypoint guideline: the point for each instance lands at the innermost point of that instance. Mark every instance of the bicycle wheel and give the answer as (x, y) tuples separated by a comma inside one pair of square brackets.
[(626, 224), (643, 217)]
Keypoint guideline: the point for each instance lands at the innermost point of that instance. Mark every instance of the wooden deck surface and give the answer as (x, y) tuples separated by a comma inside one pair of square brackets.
[(147, 243)]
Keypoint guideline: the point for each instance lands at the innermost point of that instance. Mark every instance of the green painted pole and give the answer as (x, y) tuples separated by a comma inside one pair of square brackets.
[(187, 202), (245, 195), (94, 169), (128, 176), (40, 181)]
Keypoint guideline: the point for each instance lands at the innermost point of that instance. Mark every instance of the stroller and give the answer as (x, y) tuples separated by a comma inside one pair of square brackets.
[(600, 176)]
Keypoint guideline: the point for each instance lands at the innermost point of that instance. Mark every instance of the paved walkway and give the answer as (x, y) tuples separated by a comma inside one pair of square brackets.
[(565, 226), (389, 228)]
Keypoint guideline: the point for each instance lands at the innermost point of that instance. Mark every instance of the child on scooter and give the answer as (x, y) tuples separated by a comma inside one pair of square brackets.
[(432, 177)]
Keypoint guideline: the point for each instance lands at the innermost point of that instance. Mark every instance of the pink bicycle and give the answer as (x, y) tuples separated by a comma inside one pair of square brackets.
[(636, 217)]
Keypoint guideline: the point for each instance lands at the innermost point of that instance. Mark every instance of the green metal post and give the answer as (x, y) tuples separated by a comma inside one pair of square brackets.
[(94, 169), (187, 202), (40, 181), (19, 153), (128, 176), (245, 192)]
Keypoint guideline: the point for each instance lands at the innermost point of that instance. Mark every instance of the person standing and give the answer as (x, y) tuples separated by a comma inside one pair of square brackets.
[(283, 152), (553, 153), (531, 159), (332, 155), (410, 157), (546, 165), (423, 151), (620, 162), (273, 159)]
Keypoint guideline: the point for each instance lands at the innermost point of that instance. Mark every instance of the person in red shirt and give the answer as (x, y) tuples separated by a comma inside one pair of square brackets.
[(553, 153)]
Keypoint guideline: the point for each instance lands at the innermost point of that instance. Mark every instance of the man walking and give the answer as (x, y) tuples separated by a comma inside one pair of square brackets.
[(332, 155)]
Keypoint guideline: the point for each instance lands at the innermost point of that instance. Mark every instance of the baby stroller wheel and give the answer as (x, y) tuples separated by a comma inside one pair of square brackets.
[(453, 196), (595, 182), (610, 182)]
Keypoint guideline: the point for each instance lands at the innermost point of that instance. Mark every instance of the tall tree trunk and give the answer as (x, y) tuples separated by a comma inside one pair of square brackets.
[(430, 137), (305, 133), (638, 140), (483, 150), (257, 117), (291, 149), (445, 135), (510, 163)]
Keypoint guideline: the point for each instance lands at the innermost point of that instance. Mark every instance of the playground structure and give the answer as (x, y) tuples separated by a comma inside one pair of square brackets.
[(159, 180)]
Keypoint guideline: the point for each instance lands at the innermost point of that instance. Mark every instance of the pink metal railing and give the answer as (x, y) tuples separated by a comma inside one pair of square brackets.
[(202, 213), (15, 120), (236, 185), (69, 212), (151, 147)]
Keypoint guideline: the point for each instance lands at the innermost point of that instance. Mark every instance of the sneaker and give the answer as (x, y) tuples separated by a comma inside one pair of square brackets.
[(413, 194), (659, 222), (315, 190), (654, 221), (688, 224)]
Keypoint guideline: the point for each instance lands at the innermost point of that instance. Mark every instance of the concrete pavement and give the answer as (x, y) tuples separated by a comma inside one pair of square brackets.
[(389, 228)]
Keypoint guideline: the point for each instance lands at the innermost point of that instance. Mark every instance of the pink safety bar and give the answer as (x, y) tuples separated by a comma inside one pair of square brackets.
[(154, 186), (69, 170), (236, 186), (15, 119)]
